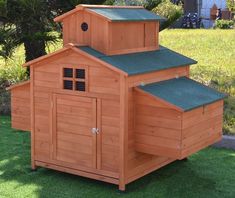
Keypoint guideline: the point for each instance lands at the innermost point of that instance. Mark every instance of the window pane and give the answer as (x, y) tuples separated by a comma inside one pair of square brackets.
[(68, 72), (68, 84), (80, 73), (80, 86)]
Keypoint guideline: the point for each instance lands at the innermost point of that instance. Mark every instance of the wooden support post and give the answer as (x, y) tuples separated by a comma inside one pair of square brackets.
[(123, 132), (33, 166)]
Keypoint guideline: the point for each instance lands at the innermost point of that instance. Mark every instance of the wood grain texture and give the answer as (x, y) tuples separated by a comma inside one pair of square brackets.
[(20, 107), (161, 130)]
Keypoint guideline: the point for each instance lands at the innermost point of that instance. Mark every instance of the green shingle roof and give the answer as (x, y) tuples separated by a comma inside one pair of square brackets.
[(124, 14), (143, 62), (183, 92)]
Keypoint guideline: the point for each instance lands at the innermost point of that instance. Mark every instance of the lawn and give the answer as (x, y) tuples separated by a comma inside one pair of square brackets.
[(209, 173)]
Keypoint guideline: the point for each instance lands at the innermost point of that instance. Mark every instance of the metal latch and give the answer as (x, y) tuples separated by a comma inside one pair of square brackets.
[(95, 130)]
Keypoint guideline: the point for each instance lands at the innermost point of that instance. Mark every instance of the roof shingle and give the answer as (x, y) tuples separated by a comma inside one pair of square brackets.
[(143, 62), (124, 14), (183, 92)]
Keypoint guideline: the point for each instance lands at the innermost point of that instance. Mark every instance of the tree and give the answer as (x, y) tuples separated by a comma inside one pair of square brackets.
[(231, 5), (32, 23), (170, 11)]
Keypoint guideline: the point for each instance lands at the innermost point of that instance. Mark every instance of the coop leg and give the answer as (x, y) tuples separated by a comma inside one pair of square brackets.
[(122, 187), (33, 166)]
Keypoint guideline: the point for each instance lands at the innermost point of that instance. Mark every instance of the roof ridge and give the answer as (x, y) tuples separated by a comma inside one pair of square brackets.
[(108, 6)]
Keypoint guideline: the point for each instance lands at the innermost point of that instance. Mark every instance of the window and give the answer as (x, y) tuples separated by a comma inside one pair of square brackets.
[(74, 79)]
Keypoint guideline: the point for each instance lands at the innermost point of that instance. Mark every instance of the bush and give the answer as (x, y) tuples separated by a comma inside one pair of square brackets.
[(10, 74), (224, 24), (168, 10)]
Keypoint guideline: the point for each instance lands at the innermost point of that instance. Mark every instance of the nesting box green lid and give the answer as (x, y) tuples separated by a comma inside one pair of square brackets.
[(183, 92)]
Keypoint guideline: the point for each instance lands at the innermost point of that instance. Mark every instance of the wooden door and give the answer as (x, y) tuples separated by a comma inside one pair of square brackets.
[(73, 120)]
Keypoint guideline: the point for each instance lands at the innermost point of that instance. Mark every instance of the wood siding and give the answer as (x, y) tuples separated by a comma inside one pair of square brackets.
[(109, 37), (157, 76), (72, 32), (161, 130), (139, 163), (103, 84), (201, 127), (20, 107), (129, 37)]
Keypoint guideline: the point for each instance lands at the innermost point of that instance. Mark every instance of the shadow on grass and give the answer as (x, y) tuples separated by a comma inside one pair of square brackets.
[(209, 173)]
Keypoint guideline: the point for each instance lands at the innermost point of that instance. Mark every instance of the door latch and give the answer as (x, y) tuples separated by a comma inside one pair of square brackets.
[(95, 130)]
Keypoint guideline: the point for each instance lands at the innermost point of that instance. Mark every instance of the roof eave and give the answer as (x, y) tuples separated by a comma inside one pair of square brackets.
[(84, 6), (18, 85)]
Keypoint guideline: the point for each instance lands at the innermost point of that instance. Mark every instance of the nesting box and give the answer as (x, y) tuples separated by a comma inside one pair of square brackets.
[(112, 104)]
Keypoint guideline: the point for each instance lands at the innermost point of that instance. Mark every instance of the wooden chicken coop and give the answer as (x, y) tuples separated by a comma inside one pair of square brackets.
[(113, 104)]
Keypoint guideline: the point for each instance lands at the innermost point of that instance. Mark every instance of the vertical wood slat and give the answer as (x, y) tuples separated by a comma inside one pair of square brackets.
[(123, 132), (54, 128), (32, 118), (99, 135), (94, 136)]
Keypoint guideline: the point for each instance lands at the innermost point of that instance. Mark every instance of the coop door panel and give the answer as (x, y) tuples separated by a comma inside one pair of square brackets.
[(73, 140)]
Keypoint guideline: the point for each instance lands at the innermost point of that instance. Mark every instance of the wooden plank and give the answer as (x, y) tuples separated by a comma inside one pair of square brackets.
[(158, 121), (99, 35), (157, 141), (158, 150), (152, 167), (99, 135), (200, 118), (110, 139), (201, 136), (187, 132), (47, 76), (75, 158), (201, 145), (46, 84), (32, 116), (73, 147), (21, 126), (73, 138), (123, 132), (157, 76), (151, 34), (17, 110), (158, 131), (72, 128), (81, 121), (201, 110), (94, 136), (110, 121), (148, 110), (78, 172), (74, 111)]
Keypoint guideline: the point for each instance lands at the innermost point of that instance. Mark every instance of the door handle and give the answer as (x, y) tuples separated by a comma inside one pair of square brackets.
[(95, 130)]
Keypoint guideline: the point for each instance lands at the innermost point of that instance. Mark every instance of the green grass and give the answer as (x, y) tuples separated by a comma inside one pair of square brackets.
[(209, 173)]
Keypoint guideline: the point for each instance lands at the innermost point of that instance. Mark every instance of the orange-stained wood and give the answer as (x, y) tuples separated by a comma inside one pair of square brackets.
[(20, 106), (165, 131), (112, 131)]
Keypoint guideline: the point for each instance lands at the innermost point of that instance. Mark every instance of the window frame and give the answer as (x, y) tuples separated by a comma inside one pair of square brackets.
[(74, 79)]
